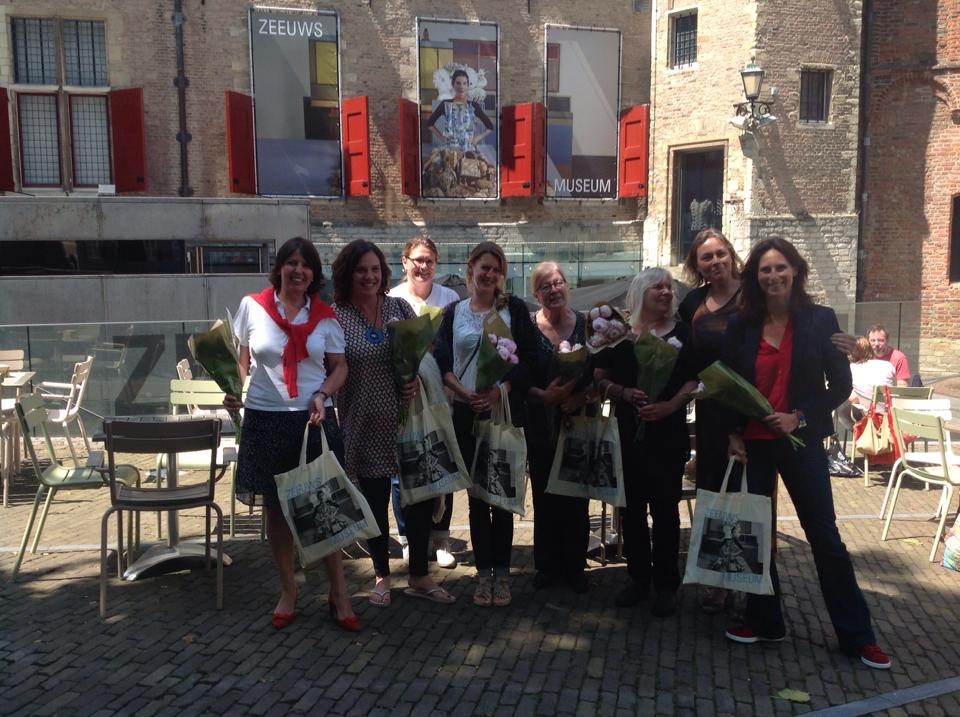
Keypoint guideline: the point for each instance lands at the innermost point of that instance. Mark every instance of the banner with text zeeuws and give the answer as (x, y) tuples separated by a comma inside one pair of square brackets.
[(582, 71), (296, 96)]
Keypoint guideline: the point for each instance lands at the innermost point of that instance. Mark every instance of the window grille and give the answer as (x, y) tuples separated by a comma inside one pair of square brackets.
[(34, 51), (39, 140), (89, 131), (85, 53), (684, 38), (815, 95)]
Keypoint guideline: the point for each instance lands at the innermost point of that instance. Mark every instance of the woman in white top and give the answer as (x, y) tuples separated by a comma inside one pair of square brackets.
[(288, 361), (868, 372), (420, 258)]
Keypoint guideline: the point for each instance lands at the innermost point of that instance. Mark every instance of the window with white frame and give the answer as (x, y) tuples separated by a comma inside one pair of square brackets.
[(683, 39), (61, 87)]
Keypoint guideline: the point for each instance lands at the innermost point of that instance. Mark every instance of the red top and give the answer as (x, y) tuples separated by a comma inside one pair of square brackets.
[(773, 381)]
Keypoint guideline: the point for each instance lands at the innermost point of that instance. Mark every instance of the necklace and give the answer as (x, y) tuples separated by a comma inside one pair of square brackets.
[(373, 333)]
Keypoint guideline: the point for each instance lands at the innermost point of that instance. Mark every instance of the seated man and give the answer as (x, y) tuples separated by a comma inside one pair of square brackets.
[(882, 350)]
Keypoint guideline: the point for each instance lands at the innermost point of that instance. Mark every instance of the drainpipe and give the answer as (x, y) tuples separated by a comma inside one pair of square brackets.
[(181, 83), (862, 199)]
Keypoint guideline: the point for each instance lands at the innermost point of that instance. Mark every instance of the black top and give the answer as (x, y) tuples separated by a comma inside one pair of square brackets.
[(519, 377), (621, 367), (542, 419), (820, 377), (478, 112), (708, 326)]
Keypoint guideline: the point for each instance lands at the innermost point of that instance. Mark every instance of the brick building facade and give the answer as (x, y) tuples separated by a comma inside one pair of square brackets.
[(800, 176), (911, 168)]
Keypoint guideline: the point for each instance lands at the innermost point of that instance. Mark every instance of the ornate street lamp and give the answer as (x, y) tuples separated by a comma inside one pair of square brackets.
[(754, 113)]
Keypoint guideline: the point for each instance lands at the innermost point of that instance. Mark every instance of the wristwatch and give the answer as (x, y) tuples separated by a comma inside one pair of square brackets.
[(801, 419), (322, 393)]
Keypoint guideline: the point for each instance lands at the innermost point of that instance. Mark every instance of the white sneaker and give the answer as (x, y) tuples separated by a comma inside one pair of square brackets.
[(445, 559)]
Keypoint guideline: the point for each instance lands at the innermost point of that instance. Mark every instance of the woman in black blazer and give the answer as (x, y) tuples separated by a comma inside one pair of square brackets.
[(781, 343)]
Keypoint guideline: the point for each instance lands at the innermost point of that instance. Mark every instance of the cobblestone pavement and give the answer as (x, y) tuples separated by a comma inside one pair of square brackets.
[(164, 649)]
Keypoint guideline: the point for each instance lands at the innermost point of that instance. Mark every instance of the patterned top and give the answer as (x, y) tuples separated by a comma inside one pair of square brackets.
[(368, 404), (543, 422)]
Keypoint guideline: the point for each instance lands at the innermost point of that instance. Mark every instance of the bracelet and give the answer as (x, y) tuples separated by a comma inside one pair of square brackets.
[(323, 393)]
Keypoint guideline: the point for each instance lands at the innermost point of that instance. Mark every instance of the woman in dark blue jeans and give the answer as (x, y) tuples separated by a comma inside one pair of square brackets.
[(780, 342)]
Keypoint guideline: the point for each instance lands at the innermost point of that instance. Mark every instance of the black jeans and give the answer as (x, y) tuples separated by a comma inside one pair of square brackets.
[(561, 524), (805, 474), (491, 529), (418, 518), (652, 476)]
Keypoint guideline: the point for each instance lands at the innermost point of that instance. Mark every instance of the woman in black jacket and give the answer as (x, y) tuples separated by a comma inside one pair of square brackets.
[(456, 349), (781, 343)]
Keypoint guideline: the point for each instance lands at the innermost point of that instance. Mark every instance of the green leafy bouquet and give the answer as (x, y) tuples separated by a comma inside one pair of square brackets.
[(410, 339), (216, 351), (725, 386), (655, 361), (497, 353)]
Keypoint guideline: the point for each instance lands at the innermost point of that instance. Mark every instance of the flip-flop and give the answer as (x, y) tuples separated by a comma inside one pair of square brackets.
[(379, 598), (434, 594)]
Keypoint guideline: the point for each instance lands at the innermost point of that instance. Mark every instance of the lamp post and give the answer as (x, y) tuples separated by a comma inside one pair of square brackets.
[(755, 112)]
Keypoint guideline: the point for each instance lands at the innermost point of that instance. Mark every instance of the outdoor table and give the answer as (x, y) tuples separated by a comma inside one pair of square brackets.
[(173, 555), (15, 380)]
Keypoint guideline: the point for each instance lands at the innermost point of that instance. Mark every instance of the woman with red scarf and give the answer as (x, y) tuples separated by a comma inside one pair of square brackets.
[(292, 347)]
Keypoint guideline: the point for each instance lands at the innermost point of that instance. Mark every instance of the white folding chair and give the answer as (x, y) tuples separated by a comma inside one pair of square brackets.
[(930, 407), (880, 400), (71, 394), (941, 474)]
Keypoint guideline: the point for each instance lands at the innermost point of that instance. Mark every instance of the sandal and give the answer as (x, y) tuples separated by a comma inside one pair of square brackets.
[(434, 594), (501, 592), (483, 596), (379, 597)]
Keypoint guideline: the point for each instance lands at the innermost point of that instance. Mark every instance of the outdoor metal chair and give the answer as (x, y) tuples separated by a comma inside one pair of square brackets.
[(32, 415), (172, 438), (199, 398), (880, 400), (13, 359), (941, 474), (932, 407), (71, 394)]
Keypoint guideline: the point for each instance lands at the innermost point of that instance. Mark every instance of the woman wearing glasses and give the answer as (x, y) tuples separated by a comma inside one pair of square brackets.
[(420, 258), (561, 524)]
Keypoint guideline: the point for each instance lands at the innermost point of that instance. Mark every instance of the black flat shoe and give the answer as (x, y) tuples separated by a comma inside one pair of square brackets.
[(631, 595), (542, 580), (665, 604)]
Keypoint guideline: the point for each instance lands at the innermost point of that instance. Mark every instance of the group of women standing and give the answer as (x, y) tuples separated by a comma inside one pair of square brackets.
[(759, 319)]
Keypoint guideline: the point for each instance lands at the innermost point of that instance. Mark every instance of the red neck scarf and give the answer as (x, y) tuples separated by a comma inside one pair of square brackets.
[(296, 349)]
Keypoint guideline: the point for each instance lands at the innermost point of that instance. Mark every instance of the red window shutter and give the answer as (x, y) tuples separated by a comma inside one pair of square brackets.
[(129, 140), (410, 147), (240, 143), (522, 138), (634, 155), (356, 147), (6, 152)]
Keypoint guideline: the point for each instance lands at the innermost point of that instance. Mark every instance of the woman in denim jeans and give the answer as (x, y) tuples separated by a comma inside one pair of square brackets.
[(781, 343)]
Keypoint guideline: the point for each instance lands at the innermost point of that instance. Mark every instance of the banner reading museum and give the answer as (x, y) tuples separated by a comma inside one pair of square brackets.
[(296, 97), (583, 101)]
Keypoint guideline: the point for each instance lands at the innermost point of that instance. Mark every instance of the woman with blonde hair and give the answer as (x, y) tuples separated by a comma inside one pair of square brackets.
[(652, 462), (455, 349)]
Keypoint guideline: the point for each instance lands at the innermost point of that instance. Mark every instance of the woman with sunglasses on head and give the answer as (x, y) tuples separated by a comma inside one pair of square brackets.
[(713, 267), (369, 407), (781, 342), (456, 348), (275, 327), (561, 524), (419, 259)]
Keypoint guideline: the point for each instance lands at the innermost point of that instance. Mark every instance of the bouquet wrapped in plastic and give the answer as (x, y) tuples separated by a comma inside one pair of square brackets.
[(216, 351), (497, 353), (655, 361), (606, 327), (722, 384), (569, 362), (410, 339)]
